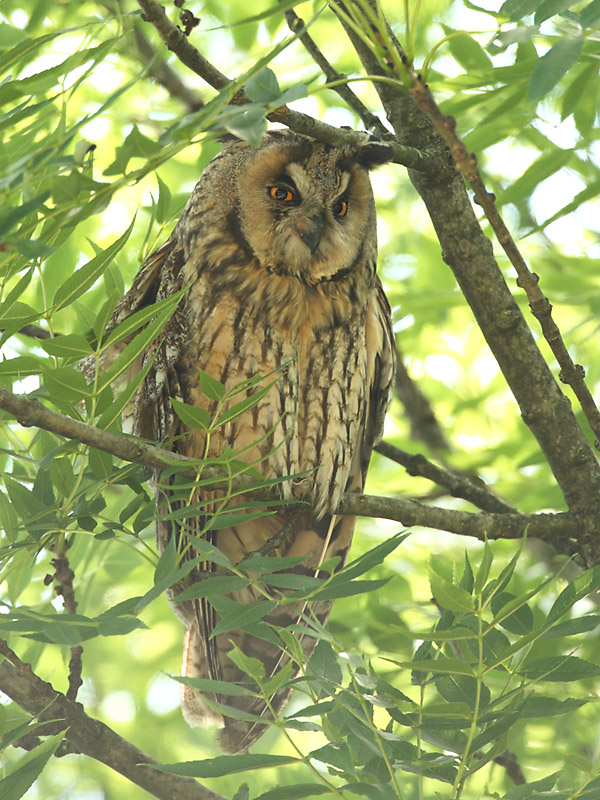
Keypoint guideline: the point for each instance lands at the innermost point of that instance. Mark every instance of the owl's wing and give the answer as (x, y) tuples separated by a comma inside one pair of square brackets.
[(381, 348)]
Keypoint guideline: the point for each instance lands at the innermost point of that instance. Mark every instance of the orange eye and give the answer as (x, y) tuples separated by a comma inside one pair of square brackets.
[(340, 209), (281, 193)]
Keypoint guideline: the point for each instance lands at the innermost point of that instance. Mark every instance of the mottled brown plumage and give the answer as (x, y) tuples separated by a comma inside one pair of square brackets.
[(277, 249)]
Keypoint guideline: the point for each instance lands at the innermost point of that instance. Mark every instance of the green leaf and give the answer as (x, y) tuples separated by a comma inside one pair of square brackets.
[(531, 789), (590, 16), (248, 123), (23, 774), (582, 586), (339, 586), (224, 765), (263, 87), (548, 8), (192, 417), (164, 201), (552, 66), (517, 9), (85, 276), (70, 345), (239, 615), (324, 663), (439, 666), (65, 383), (9, 217), (251, 666), (295, 791), (210, 387), (463, 689), (484, 568), (225, 688), (559, 668), (468, 53), (520, 621), (451, 598), (213, 587), (248, 402), (571, 627)]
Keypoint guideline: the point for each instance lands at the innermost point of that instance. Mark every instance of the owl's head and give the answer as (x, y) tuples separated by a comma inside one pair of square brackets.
[(306, 208)]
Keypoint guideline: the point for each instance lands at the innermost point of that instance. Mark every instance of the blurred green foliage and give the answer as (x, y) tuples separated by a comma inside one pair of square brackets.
[(96, 161)]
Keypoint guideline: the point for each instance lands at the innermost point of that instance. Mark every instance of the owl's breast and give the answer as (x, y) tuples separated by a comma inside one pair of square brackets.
[(293, 399)]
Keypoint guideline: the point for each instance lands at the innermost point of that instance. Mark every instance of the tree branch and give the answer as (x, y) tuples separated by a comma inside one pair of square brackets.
[(176, 41), (458, 486), (90, 736), (468, 252), (466, 163), (561, 530)]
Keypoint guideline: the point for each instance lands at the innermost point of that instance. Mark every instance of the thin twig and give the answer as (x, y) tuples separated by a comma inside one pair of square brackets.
[(370, 121)]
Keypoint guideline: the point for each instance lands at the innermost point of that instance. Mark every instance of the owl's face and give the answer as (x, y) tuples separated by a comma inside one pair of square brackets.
[(306, 208)]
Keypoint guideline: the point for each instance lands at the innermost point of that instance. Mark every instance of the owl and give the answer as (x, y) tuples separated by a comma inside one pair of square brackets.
[(276, 255)]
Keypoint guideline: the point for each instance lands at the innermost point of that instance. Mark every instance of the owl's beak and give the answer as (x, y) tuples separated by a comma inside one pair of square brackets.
[(310, 230)]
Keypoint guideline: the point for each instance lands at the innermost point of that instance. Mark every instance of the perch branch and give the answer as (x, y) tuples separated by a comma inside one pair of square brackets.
[(560, 529), (90, 736), (192, 58)]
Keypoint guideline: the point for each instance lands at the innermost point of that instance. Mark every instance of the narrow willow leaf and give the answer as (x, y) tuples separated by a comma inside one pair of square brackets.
[(224, 765), (535, 789), (263, 87), (23, 774), (225, 688), (9, 217), (239, 615), (211, 387), (192, 417), (553, 66), (85, 276), (548, 8), (484, 568), (295, 791), (571, 627), (251, 666), (70, 345), (559, 668), (581, 587), (169, 580), (450, 597), (347, 588), (519, 621), (239, 408), (439, 666), (213, 587)]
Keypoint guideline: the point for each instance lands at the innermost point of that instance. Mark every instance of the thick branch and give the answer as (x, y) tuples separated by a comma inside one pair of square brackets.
[(466, 249), (553, 528), (89, 736)]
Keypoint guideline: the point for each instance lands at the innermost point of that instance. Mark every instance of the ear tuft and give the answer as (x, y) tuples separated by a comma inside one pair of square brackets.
[(373, 154)]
